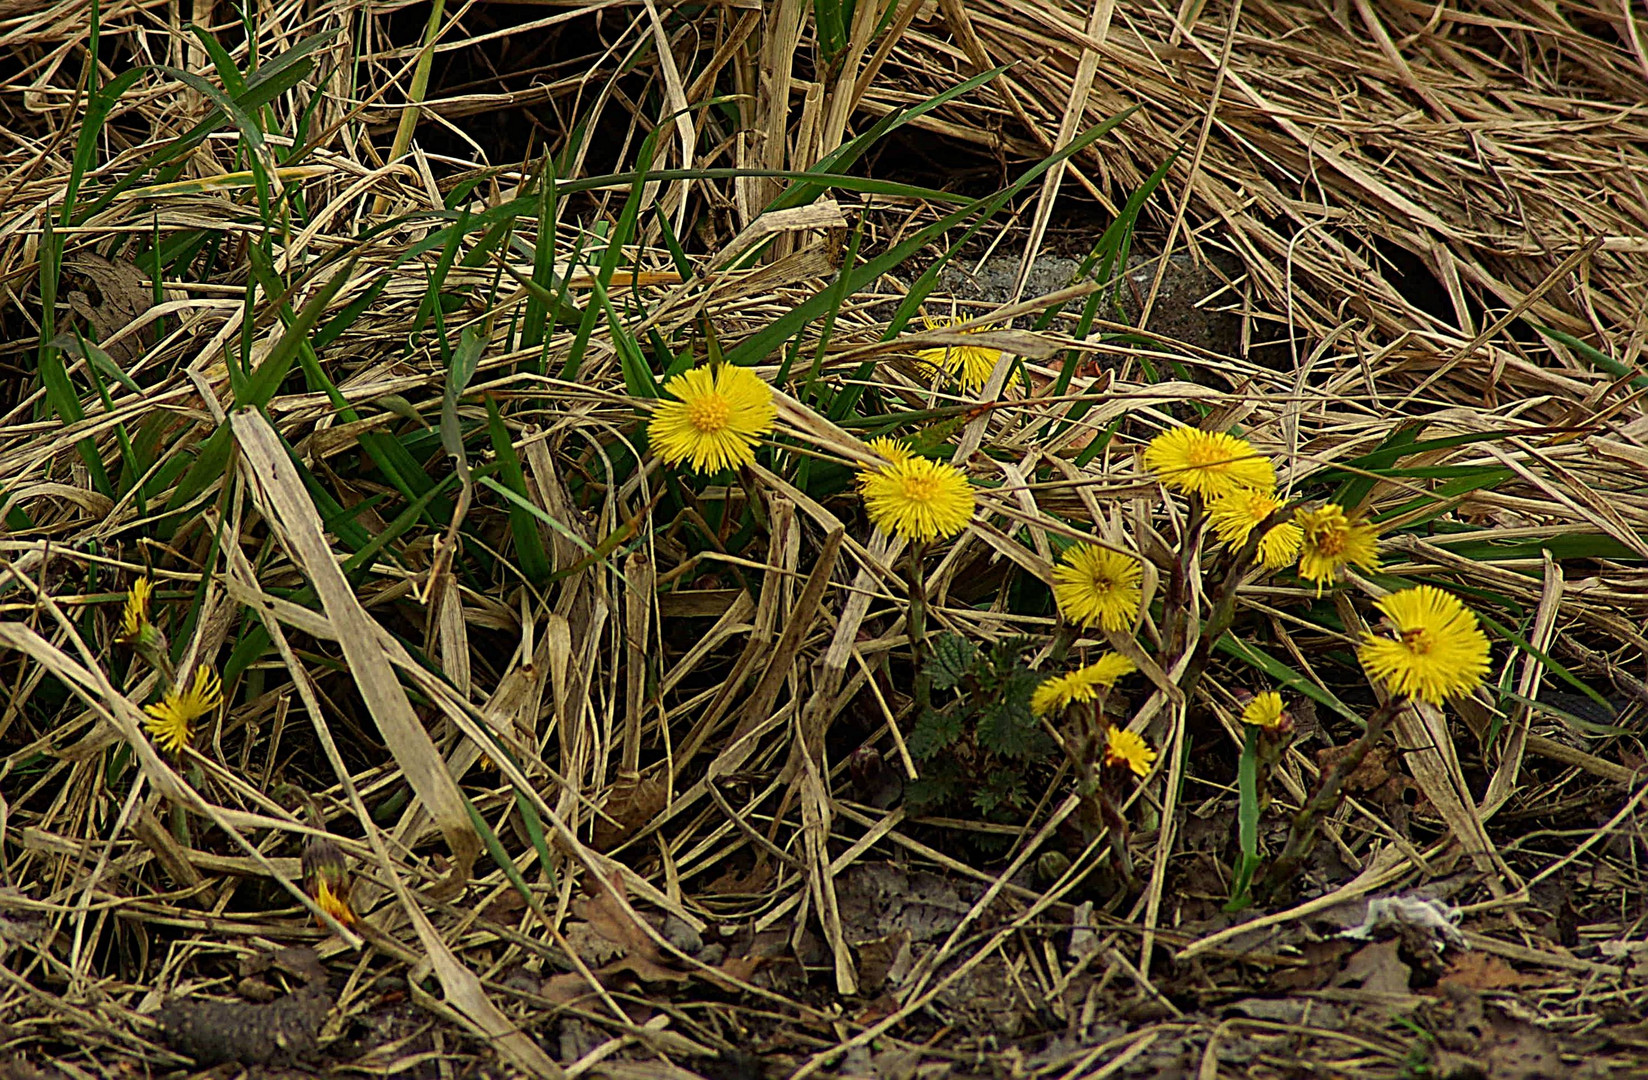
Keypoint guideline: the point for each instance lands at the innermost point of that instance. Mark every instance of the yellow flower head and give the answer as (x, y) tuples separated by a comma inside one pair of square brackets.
[(135, 618), (1279, 546), (1329, 541), (1097, 586), (1265, 710), (1128, 748), (971, 364), (1081, 685), (891, 450), (1235, 515), (1439, 651), (170, 718), (1209, 462), (714, 421), (326, 879), (335, 906), (918, 499)]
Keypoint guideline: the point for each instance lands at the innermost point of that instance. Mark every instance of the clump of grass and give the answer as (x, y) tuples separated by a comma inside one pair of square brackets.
[(643, 481)]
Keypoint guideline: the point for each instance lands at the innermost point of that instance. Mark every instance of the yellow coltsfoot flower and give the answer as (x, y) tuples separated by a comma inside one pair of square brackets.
[(1330, 541), (891, 450), (326, 879), (715, 420), (1264, 711), (1234, 516), (1128, 749), (1439, 651), (134, 619), (1080, 685), (1095, 586), (171, 718), (1210, 463), (918, 499), (970, 364)]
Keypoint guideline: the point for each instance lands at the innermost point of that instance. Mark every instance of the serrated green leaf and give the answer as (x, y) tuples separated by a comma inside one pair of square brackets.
[(952, 658), (934, 730), (1006, 727)]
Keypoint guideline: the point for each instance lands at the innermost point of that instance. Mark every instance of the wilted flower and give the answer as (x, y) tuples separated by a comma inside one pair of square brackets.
[(1329, 541), (971, 364), (326, 879), (134, 620), (1235, 515), (1080, 685)]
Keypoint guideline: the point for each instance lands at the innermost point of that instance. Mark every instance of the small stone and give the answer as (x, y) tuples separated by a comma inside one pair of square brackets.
[(679, 933)]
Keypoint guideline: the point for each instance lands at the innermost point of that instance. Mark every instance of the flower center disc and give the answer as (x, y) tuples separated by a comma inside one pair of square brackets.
[(709, 414), (1418, 641), (920, 488), (1333, 543), (1204, 455)]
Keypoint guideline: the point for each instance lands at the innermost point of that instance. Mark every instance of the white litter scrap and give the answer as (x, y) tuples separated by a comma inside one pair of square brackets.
[(1441, 919)]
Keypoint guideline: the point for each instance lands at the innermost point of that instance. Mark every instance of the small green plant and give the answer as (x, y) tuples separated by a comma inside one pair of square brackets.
[(979, 746)]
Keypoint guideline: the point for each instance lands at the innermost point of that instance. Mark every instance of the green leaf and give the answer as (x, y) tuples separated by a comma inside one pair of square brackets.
[(934, 730), (1596, 357), (952, 658), (1247, 821), (1006, 727), (831, 18), (939, 783), (1281, 673), (523, 527)]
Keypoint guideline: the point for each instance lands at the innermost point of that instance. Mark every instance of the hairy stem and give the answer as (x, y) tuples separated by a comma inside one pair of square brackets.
[(1224, 601), (1176, 602), (1306, 829), (918, 630)]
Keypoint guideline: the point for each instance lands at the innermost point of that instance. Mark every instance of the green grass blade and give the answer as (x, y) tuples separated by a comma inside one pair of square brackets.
[(54, 377), (1279, 672), (621, 232), (91, 127), (1247, 820), (268, 376), (523, 526), (1595, 356), (222, 62)]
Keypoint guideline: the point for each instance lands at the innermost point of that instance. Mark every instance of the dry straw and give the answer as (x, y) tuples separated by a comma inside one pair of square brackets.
[(1410, 192)]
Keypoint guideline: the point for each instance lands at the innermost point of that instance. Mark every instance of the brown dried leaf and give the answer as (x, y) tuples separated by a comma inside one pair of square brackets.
[(1477, 970), (1377, 968), (612, 922), (634, 801)]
